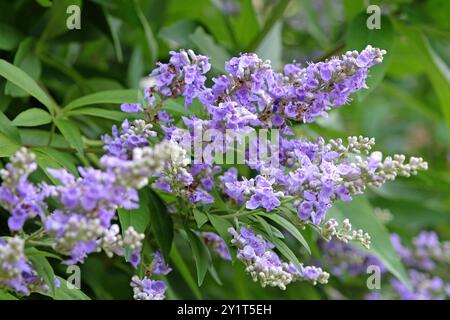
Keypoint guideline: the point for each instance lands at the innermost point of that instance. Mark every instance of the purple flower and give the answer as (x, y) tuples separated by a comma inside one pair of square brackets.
[(159, 265)]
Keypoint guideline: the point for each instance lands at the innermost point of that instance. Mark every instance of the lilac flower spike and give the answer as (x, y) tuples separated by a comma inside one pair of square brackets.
[(19, 196), (265, 266)]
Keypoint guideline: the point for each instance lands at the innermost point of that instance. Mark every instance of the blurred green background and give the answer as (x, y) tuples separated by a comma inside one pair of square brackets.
[(406, 108)]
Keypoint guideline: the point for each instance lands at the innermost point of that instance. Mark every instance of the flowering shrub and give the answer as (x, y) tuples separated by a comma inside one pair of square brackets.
[(149, 163)]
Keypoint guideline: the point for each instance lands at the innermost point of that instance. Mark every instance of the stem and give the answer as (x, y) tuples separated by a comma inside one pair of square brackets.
[(40, 243)]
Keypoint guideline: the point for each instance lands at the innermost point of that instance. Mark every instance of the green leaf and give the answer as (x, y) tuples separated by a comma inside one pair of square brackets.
[(71, 133), (200, 217), (8, 128), (138, 218), (31, 251), (26, 60), (104, 97), (10, 37), (361, 215), (183, 269), (359, 36), (201, 256), (286, 251), (7, 146), (66, 291), (32, 117), (178, 33), (271, 47), (222, 225), (7, 296), (246, 20), (101, 113), (209, 47), (288, 227), (24, 81), (161, 222), (45, 270), (50, 155)]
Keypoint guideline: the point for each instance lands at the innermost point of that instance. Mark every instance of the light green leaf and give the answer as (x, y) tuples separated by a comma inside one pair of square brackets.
[(183, 269), (210, 48), (26, 60), (286, 251), (67, 291), (436, 69), (45, 270), (71, 133), (24, 81), (222, 225), (7, 296), (7, 146), (51, 155), (271, 47), (288, 227), (200, 217), (101, 113), (161, 222), (32, 117), (359, 36), (104, 97), (138, 218), (361, 215), (8, 128), (10, 37), (201, 255)]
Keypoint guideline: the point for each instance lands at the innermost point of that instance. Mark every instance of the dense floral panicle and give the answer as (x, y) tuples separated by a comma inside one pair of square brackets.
[(265, 266), (130, 136), (253, 94), (424, 260), (183, 75), (78, 235), (96, 193), (148, 289), (216, 243), (17, 195), (316, 174), (16, 273)]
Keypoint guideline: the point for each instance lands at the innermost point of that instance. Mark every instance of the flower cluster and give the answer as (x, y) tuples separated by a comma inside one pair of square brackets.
[(426, 260), (331, 229), (16, 273), (265, 266), (18, 195), (148, 289), (317, 174), (131, 136), (183, 75)]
